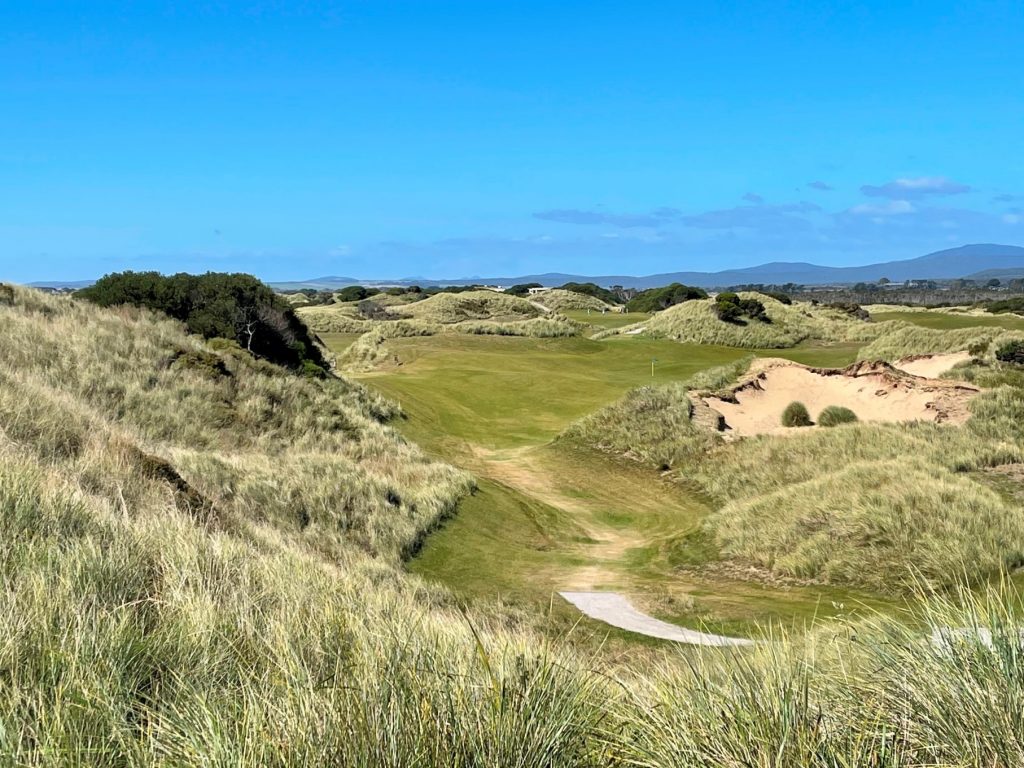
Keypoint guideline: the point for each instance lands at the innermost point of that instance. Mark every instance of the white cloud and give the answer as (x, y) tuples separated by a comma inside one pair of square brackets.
[(1012, 218), (907, 188)]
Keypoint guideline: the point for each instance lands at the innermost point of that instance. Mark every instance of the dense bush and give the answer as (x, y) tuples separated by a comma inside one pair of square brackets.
[(592, 289), (657, 299), (796, 415), (1011, 352), (731, 308), (778, 296), (522, 289), (834, 415), (218, 305), (356, 293), (851, 308), (1007, 305)]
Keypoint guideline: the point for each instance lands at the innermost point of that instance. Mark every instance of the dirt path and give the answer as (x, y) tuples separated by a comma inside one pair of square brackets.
[(616, 610)]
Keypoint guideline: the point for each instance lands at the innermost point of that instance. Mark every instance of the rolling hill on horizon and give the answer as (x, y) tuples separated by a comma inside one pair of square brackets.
[(976, 261), (982, 260)]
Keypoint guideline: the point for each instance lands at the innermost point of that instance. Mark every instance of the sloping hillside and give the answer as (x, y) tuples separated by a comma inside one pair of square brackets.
[(201, 559), (695, 322), (449, 308), (558, 300)]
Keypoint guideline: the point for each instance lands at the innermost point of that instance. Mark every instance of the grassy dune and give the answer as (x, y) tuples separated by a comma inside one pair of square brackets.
[(448, 308), (695, 322), (558, 300)]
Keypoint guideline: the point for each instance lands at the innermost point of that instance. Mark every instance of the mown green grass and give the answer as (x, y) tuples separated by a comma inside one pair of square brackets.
[(505, 392), (949, 321), (607, 320), (490, 403)]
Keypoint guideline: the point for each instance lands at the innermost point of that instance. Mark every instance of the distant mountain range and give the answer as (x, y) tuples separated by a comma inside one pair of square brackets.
[(981, 261)]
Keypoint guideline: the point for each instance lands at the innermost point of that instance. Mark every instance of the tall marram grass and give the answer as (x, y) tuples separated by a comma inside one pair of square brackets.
[(695, 322), (178, 590)]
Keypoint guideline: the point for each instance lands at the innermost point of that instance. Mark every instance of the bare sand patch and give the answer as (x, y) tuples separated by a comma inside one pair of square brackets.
[(875, 391), (931, 366)]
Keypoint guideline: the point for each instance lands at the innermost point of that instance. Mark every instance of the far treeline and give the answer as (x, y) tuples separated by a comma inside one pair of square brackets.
[(236, 307)]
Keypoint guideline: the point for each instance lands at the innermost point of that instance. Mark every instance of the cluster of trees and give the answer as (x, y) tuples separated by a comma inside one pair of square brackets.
[(657, 299), (732, 309), (219, 305)]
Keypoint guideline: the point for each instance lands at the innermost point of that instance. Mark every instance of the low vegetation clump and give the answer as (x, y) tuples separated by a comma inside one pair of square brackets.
[(834, 415), (732, 309), (796, 415), (215, 305), (1011, 352), (657, 299), (653, 425), (1014, 305)]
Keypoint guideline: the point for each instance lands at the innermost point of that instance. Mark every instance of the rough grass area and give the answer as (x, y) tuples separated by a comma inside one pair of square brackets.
[(333, 318), (905, 340), (558, 300), (871, 505), (201, 566), (446, 308), (695, 322)]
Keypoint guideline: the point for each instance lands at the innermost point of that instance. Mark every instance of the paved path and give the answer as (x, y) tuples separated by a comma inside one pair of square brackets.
[(615, 609)]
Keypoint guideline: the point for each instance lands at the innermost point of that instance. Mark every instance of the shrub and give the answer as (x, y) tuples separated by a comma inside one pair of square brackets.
[(979, 348), (834, 415), (728, 311), (656, 299), (230, 306), (796, 415), (1011, 352), (355, 293)]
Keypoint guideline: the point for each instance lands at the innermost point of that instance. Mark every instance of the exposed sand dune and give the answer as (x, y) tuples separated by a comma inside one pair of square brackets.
[(874, 391), (931, 366)]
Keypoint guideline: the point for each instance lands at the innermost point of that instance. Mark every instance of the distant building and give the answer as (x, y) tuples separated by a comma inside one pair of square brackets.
[(542, 289)]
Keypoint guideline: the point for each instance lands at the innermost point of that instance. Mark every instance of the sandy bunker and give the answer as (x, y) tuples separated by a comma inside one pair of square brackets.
[(875, 391)]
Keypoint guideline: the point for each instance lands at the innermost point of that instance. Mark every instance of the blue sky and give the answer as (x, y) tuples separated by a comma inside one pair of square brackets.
[(447, 139)]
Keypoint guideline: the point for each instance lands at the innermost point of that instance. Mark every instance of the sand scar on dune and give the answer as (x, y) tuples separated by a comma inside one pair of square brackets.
[(875, 391)]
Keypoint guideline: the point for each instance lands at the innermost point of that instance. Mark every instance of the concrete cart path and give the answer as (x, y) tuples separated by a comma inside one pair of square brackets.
[(615, 609)]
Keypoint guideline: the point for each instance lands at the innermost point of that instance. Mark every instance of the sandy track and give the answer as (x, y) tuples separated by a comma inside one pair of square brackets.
[(616, 610)]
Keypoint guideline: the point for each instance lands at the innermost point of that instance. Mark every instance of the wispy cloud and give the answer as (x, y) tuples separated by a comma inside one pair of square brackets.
[(916, 188), (1005, 198), (821, 186), (892, 208), (753, 197), (754, 217), (605, 218)]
